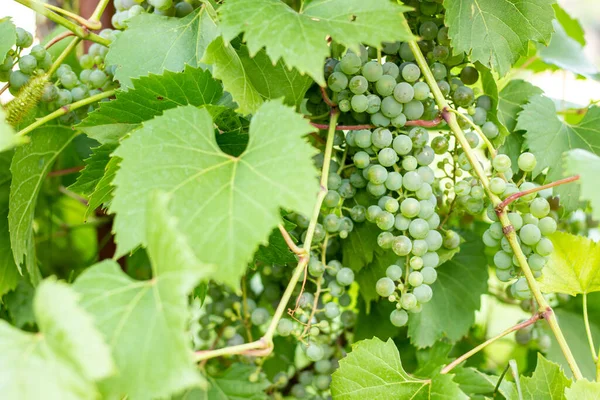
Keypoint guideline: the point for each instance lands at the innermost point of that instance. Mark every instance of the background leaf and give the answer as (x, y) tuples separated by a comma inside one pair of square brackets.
[(8, 37), (547, 382), (9, 273), (587, 166), (583, 390), (234, 383)]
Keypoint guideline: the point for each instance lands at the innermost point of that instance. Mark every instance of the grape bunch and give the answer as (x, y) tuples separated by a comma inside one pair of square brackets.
[(127, 9)]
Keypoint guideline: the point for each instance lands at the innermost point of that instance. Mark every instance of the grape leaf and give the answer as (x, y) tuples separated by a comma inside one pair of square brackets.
[(571, 25), (373, 370), (233, 384), (277, 250), (233, 143), (587, 166), (229, 205), (548, 138), (300, 38), (475, 382), (497, 32), (456, 296), (547, 382), (9, 274), (148, 97), (64, 360), (583, 390), (251, 81), (145, 322), (368, 276), (153, 44), (8, 137), (29, 167), (104, 190), (8, 38), (94, 170), (573, 327), (360, 246), (573, 265), (19, 304)]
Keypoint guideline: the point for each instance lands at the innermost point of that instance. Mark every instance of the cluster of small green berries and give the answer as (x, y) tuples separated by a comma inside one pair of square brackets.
[(128, 9)]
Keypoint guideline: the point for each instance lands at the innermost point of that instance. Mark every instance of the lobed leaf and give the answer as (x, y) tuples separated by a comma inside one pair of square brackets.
[(583, 390), (547, 382)]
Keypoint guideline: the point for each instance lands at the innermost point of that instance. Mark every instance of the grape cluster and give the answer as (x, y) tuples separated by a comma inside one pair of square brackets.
[(530, 217), (127, 9)]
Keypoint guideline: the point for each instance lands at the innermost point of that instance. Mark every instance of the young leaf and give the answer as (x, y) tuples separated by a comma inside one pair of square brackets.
[(228, 205), (373, 370), (251, 80), (583, 390), (234, 383), (29, 167), (94, 170), (8, 38), (497, 32), (587, 166), (300, 38), (145, 321), (9, 274), (547, 382), (67, 357), (548, 138), (148, 97), (153, 44), (456, 296)]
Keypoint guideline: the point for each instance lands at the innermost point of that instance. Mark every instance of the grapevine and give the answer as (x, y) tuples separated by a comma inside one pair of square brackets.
[(280, 199)]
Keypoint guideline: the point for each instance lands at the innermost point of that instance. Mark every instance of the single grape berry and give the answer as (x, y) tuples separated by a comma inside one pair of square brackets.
[(527, 162), (399, 318), (350, 64), (345, 276), (385, 287), (469, 75), (501, 163), (337, 81)]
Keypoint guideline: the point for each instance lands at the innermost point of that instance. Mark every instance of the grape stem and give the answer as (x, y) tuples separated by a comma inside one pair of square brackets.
[(475, 350), (518, 195), (289, 241), (326, 98), (70, 47), (58, 38), (63, 172), (82, 21), (418, 122), (264, 345), (508, 229), (477, 129), (80, 31), (66, 109), (588, 330)]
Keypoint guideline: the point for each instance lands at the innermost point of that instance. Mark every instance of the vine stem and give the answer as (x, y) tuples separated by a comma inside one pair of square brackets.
[(58, 38), (82, 21), (518, 195), (477, 129), (508, 229), (78, 30), (95, 17), (264, 345), (65, 109), (65, 53), (483, 345), (588, 330)]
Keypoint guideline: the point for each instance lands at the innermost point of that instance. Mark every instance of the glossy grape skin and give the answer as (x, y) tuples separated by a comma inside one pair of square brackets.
[(404, 92), (398, 318), (385, 287), (337, 81), (350, 64), (527, 162), (372, 71)]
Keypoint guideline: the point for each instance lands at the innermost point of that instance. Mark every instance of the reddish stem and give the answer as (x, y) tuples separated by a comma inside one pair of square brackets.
[(67, 171), (58, 38), (518, 195), (326, 98)]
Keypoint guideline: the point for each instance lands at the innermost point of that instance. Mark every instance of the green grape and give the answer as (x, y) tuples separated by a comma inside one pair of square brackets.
[(315, 267), (409, 163), (18, 79), (401, 222), (394, 272), (511, 188), (439, 71), (408, 301), (362, 138), (440, 144), (520, 289), (361, 159), (416, 262), (372, 71), (385, 240), (50, 93), (357, 180), (373, 103), (334, 181), (479, 116), (406, 53), (358, 84), (375, 189), (410, 207), (527, 162), (414, 110), (426, 174), (462, 188), (539, 207), (428, 30), (385, 287), (536, 262), (451, 240), (392, 205), (530, 234), (319, 234), (344, 105), (547, 226), (285, 327), (24, 38), (463, 96), (401, 245), (385, 85), (544, 247), (345, 276), (497, 185), (425, 156), (337, 81), (381, 138), (433, 221), (390, 107), (441, 53), (421, 90), (98, 78), (427, 208), (477, 192), (412, 181), (372, 212), (350, 64), (431, 259), (7, 64), (420, 247), (424, 192), (489, 240), (444, 87), (64, 97), (385, 220), (399, 121), (469, 75), (391, 69), (358, 213), (472, 139), (505, 275), (418, 228), (377, 174), (411, 72), (378, 119), (181, 9), (359, 103), (501, 163), (404, 92), (346, 190), (484, 102), (332, 199), (79, 92), (434, 240), (496, 230), (314, 352), (27, 64), (490, 130), (393, 181), (398, 318), (502, 260), (429, 275), (402, 145), (526, 186), (335, 289), (423, 293), (259, 316)]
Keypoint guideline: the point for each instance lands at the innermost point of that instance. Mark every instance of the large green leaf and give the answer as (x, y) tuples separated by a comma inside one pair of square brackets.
[(548, 382), (373, 370), (233, 384), (548, 138), (148, 97), (30, 165), (368, 276), (251, 80), (153, 44), (583, 390), (64, 360), (227, 204), (145, 322), (587, 166), (8, 37), (573, 267), (497, 32), (300, 38), (360, 245), (8, 137), (9, 274), (456, 296)]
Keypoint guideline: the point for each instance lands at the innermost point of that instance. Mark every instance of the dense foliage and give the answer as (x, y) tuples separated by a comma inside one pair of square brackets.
[(252, 199)]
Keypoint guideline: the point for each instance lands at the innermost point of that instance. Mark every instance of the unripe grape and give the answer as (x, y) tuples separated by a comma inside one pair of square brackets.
[(527, 162), (413, 110), (337, 81), (358, 84), (314, 352), (451, 240), (372, 71), (394, 272), (385, 85), (501, 163), (350, 64), (547, 226), (544, 247), (408, 301), (490, 130), (530, 234), (403, 92), (469, 75), (285, 327), (423, 293), (398, 318), (401, 245), (385, 287)]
